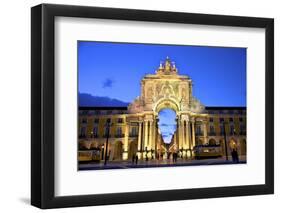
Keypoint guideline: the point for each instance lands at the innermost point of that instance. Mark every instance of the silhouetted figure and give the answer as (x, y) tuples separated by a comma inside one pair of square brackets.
[(136, 159), (174, 157), (234, 155), (133, 158)]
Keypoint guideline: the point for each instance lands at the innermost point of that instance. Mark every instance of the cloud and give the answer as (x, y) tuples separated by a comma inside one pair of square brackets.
[(165, 124), (107, 83), (167, 134)]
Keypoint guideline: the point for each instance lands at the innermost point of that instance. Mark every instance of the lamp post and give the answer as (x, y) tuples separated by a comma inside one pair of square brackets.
[(225, 143), (107, 126)]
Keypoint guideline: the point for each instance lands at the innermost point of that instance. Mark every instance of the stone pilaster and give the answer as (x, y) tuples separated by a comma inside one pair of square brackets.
[(139, 140), (126, 142)]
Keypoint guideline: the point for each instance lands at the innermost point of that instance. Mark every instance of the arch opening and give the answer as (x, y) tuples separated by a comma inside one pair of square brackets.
[(166, 104), (167, 124)]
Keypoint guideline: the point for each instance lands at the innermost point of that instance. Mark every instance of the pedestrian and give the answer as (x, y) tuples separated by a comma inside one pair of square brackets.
[(236, 156), (136, 159), (133, 158), (233, 155)]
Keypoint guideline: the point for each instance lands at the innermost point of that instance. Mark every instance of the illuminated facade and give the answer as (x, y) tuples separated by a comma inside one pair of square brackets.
[(134, 129)]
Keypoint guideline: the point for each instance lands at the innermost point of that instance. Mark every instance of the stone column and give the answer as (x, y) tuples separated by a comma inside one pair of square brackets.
[(125, 148), (150, 138), (178, 134), (182, 136), (187, 135), (187, 145), (145, 135), (155, 138), (205, 132), (139, 139), (193, 133)]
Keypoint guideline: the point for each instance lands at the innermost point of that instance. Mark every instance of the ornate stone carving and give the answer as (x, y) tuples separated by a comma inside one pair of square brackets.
[(164, 85)]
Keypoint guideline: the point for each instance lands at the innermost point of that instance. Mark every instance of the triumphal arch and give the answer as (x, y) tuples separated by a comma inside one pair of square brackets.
[(166, 89)]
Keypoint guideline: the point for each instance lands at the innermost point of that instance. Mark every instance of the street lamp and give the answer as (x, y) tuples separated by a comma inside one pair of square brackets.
[(107, 126)]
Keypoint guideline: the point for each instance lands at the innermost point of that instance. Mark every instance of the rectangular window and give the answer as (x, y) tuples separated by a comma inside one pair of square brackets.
[(212, 131), (106, 131), (230, 119), (198, 130), (82, 132), (242, 129), (84, 120), (134, 131), (96, 121), (120, 120), (231, 130), (211, 119), (95, 131), (221, 120), (119, 131), (222, 130)]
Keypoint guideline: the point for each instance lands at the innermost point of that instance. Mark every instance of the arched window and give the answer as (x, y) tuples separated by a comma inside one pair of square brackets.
[(212, 142)]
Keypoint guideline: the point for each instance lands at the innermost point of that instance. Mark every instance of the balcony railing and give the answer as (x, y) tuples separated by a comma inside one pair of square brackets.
[(119, 136)]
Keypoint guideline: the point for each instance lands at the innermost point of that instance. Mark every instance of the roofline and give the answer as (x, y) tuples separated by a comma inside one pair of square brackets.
[(126, 108), (225, 107), (102, 108)]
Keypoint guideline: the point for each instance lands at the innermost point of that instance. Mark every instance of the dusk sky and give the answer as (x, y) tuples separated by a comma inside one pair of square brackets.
[(115, 70)]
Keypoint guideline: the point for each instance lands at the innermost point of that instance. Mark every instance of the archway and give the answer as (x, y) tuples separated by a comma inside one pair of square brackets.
[(117, 151), (167, 124), (212, 142), (133, 148), (165, 103)]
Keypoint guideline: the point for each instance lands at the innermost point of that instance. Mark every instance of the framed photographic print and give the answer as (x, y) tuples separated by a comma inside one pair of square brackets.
[(139, 106)]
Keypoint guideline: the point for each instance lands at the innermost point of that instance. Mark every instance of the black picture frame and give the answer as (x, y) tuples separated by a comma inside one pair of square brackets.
[(43, 110)]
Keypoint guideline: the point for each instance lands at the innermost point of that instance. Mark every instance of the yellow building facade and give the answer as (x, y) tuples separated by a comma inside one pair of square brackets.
[(134, 130)]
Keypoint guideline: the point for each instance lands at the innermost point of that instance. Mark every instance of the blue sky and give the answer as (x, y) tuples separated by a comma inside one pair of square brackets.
[(167, 124), (116, 69)]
